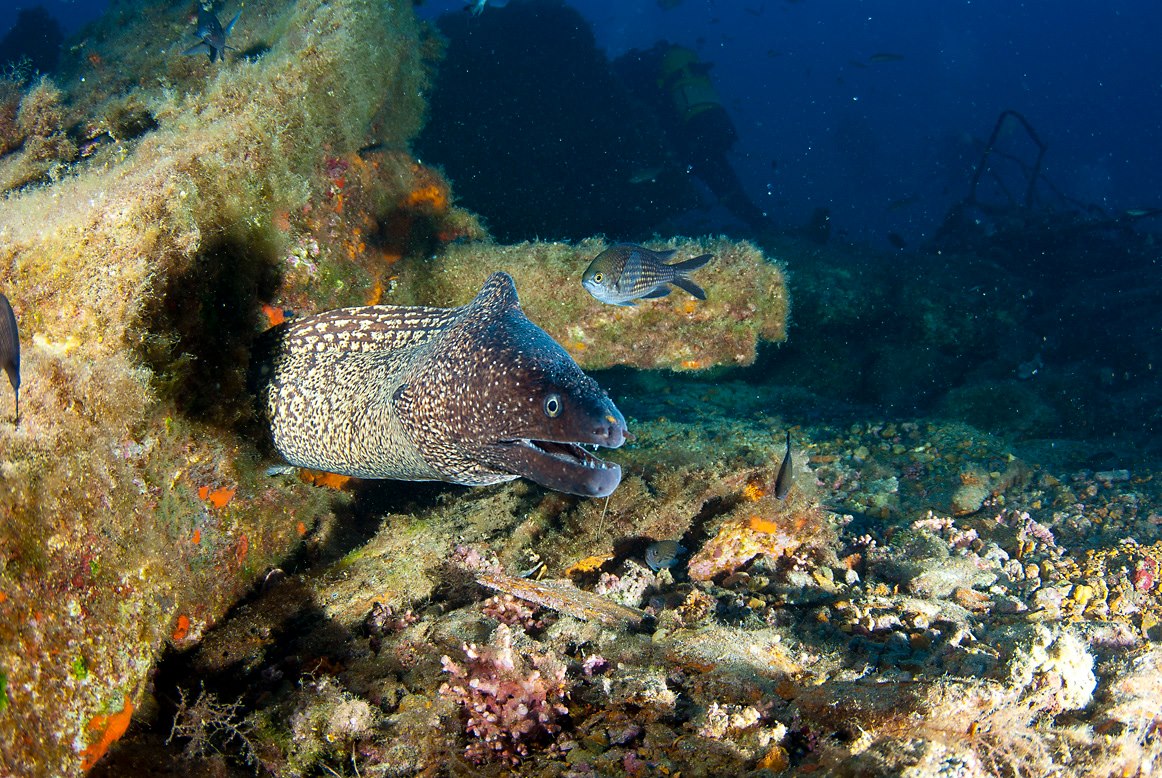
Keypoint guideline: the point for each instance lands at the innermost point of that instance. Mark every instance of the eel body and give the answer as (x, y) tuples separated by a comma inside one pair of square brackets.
[(472, 395)]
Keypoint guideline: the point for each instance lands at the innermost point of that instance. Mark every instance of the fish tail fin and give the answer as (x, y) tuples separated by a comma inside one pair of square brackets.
[(197, 48), (686, 265), (685, 283)]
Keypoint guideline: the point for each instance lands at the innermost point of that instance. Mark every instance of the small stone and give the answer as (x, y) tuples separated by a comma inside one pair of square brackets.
[(775, 760), (1112, 476), (1082, 594), (969, 498)]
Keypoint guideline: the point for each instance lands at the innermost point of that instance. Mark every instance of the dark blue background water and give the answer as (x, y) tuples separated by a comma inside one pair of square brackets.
[(859, 136), (887, 145)]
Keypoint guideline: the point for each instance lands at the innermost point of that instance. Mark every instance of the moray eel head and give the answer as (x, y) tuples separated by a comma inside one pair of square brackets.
[(499, 398)]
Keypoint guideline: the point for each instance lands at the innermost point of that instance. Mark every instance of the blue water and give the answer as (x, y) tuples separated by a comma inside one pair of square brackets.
[(857, 139), (886, 145)]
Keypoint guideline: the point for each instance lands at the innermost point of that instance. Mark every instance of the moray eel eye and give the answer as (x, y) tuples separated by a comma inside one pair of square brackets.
[(553, 406)]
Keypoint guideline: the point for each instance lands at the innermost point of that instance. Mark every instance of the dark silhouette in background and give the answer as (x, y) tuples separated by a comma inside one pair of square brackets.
[(539, 136), (542, 136), (33, 42), (676, 85)]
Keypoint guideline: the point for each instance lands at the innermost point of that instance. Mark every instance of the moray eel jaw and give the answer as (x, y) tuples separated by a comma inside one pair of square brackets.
[(565, 465)]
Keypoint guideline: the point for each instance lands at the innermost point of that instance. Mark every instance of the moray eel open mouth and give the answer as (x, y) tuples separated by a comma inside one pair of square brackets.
[(563, 466)]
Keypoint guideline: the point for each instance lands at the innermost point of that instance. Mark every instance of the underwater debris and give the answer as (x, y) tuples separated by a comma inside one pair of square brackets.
[(562, 596)]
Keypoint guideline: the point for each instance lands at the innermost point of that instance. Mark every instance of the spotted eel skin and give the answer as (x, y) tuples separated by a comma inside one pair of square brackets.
[(472, 395)]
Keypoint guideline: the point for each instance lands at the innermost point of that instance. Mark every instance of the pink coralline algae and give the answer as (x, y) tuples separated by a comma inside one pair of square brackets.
[(515, 613), (513, 702)]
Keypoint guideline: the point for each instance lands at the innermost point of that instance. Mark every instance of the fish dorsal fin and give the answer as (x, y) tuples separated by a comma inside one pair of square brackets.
[(497, 295)]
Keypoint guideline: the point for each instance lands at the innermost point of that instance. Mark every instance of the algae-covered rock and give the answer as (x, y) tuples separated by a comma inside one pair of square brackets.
[(925, 566), (134, 505), (747, 301)]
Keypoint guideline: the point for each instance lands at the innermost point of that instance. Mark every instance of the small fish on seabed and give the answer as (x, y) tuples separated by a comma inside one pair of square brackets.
[(213, 35), (663, 553), (785, 480), (10, 349), (627, 272)]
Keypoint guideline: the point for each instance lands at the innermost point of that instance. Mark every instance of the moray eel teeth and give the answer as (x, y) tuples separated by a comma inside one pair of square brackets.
[(562, 466), (472, 395)]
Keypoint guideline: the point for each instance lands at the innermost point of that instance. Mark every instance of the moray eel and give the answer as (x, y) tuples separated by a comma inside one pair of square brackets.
[(473, 395)]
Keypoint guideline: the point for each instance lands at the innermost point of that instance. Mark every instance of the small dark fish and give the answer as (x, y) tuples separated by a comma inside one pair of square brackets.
[(785, 479), (646, 175), (884, 56), (627, 272), (213, 35), (10, 349), (903, 202), (897, 240), (663, 553)]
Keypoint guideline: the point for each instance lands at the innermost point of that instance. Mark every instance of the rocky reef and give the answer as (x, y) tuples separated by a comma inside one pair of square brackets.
[(863, 625), (747, 302), (135, 505)]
